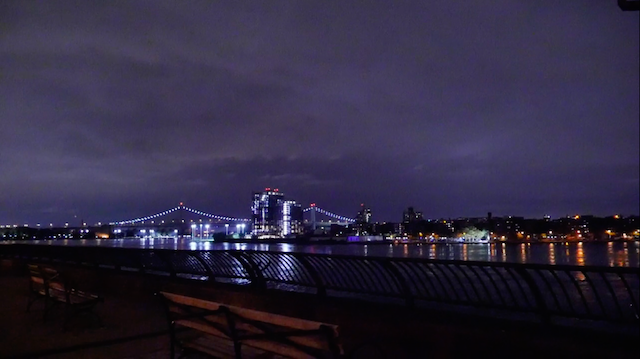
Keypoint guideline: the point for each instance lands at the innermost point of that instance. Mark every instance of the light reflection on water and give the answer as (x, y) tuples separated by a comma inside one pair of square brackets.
[(622, 254), (580, 254), (610, 253)]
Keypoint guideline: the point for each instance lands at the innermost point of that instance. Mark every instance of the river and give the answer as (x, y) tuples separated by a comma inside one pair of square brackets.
[(612, 254)]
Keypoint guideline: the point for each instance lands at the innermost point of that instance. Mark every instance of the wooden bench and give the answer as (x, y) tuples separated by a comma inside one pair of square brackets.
[(54, 288), (226, 331)]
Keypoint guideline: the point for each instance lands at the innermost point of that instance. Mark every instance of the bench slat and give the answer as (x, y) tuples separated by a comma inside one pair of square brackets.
[(282, 320), (223, 348), (250, 323)]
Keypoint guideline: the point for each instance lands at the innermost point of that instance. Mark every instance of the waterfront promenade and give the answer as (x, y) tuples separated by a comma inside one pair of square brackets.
[(135, 326)]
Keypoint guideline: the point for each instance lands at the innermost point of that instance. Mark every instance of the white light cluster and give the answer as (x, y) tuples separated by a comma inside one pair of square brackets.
[(330, 214)]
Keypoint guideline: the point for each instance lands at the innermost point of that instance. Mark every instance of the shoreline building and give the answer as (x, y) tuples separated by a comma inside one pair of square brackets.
[(274, 216), (363, 225)]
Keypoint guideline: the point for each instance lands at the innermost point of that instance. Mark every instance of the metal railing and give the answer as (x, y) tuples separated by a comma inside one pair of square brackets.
[(548, 292)]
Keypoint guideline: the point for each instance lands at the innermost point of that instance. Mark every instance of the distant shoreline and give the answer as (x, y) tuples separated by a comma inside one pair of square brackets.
[(396, 241)]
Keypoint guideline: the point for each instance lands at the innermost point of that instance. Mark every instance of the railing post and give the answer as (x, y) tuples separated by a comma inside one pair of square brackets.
[(402, 283), (321, 290), (196, 255), (543, 311), (255, 274), (166, 258)]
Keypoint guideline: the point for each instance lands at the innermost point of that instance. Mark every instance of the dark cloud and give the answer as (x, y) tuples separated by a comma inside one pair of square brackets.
[(110, 110)]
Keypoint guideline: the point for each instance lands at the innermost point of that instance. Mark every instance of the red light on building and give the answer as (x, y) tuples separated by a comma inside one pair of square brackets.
[(268, 189), (181, 204), (312, 204), (275, 190)]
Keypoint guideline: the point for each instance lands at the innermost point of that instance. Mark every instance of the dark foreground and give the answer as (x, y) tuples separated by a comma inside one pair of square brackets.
[(135, 327)]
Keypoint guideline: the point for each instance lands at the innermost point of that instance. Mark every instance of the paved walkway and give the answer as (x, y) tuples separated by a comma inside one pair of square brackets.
[(133, 328)]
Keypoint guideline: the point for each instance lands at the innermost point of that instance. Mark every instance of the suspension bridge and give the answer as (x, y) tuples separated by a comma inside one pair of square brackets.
[(155, 219)]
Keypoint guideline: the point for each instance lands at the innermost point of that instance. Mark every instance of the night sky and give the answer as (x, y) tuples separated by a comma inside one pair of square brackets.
[(111, 110)]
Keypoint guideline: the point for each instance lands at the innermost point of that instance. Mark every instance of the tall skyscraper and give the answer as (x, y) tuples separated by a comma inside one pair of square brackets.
[(274, 216), (364, 215), (363, 225)]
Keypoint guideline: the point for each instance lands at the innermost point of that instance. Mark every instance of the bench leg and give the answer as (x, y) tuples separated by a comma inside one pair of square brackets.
[(237, 348), (172, 339), (48, 307)]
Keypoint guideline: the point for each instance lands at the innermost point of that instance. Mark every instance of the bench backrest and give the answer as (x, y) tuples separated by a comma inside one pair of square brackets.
[(275, 333), (44, 279)]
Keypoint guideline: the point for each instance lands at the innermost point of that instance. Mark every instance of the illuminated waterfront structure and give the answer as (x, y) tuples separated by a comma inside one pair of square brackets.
[(275, 217), (363, 224)]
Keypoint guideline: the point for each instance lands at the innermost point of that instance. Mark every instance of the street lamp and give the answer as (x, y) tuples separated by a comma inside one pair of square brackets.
[(242, 228), (200, 230), (226, 229), (193, 230), (206, 226)]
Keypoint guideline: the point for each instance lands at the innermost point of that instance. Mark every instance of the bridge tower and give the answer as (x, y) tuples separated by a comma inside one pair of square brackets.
[(313, 216), (181, 223)]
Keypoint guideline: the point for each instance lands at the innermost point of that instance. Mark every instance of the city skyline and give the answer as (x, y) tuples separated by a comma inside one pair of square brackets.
[(110, 111), (363, 215)]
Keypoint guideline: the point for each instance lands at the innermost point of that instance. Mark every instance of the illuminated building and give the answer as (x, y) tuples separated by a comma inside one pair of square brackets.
[(364, 215), (363, 221), (275, 217)]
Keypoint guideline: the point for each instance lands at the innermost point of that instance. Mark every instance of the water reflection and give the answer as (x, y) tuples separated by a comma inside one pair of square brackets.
[(578, 253), (610, 253)]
